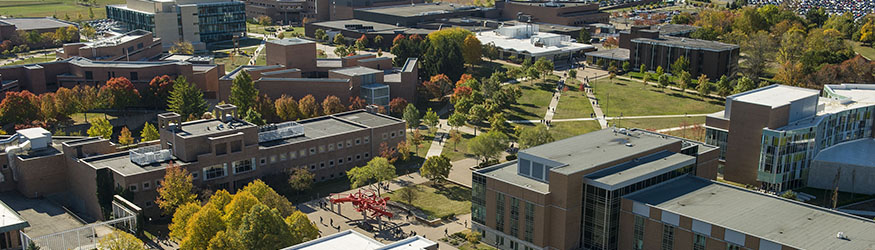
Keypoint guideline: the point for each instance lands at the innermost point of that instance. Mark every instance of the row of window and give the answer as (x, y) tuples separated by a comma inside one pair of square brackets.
[(699, 240)]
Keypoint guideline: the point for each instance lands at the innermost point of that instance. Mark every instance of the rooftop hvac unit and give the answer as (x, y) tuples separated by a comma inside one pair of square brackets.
[(149, 154), (280, 131)]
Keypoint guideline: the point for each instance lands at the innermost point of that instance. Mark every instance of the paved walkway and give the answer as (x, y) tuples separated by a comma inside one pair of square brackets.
[(258, 50), (551, 109)]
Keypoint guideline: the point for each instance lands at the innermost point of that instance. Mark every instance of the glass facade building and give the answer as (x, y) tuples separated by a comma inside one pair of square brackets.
[(220, 21), (214, 21)]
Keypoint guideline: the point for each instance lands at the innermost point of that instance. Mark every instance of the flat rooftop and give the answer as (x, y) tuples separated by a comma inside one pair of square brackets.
[(290, 41), (674, 29), (779, 220), (11, 219), (121, 163), (613, 54), (368, 119), (348, 239), (856, 152), (204, 127), (35, 23), (373, 27), (317, 128), (687, 43), (774, 95), (118, 39), (507, 172), (526, 45), (639, 169), (861, 93), (597, 148), (422, 9), (356, 71)]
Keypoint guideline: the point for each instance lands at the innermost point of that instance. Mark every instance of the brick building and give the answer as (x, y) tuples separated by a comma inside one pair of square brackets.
[(281, 11), (47, 77), (137, 45), (293, 70), (563, 13), (566, 194), (223, 153), (11, 28)]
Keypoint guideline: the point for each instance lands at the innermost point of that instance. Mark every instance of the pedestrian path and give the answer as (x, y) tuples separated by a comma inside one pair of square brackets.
[(551, 110), (254, 57), (596, 108), (610, 118)]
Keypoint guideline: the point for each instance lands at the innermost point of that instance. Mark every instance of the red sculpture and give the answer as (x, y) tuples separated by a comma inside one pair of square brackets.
[(366, 201)]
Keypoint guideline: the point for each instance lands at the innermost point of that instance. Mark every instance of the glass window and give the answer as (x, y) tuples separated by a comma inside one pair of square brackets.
[(525, 167), (667, 237), (273, 159), (213, 172), (538, 170), (730, 246), (699, 242), (282, 156), (638, 235), (499, 210), (302, 153), (367, 139), (245, 165)]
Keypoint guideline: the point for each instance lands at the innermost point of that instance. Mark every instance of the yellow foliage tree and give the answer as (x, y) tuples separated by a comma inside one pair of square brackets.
[(124, 137)]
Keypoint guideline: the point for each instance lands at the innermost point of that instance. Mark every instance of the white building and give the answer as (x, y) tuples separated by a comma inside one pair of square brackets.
[(524, 41)]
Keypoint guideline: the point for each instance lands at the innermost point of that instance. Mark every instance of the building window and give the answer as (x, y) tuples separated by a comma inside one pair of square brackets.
[(339, 145), (312, 166), (273, 159), (302, 153), (730, 246), (293, 155), (89, 75), (667, 237), (349, 143), (322, 165), (133, 188), (367, 155), (331, 163), (321, 148), (149, 203), (392, 134), (194, 175), (349, 159), (263, 160), (283, 157), (478, 199), (312, 150), (147, 185), (358, 157), (339, 161), (330, 147), (134, 76), (699, 242), (514, 217), (530, 221), (499, 210), (385, 136), (245, 165), (367, 139), (215, 171), (358, 141), (638, 236)]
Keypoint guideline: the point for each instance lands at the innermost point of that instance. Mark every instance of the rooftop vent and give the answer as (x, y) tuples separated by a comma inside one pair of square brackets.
[(841, 236), (149, 154), (280, 131)]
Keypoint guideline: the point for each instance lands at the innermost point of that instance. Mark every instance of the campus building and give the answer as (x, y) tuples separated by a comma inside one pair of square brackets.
[(11, 28), (221, 153), (566, 194), (10, 227), (650, 46), (695, 213), (137, 45), (351, 239), (282, 12), (49, 76), (410, 15), (293, 70), (197, 21), (769, 137), (563, 13), (526, 42)]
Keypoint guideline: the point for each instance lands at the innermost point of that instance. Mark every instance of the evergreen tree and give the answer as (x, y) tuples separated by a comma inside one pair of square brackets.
[(243, 91), (411, 116), (186, 99)]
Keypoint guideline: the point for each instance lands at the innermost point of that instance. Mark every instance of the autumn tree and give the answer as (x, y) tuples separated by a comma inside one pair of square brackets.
[(308, 107), (403, 151), (724, 87), (264, 228), (455, 138), (684, 80), (124, 137), (119, 240), (431, 119), (331, 105), (436, 168), (301, 228), (702, 85), (472, 50), (265, 106), (201, 228), (397, 105), (377, 170), (301, 179), (19, 108), (182, 47), (159, 91), (119, 93), (176, 189), (287, 108), (100, 127), (243, 91), (149, 133), (759, 49), (439, 86), (339, 39), (387, 152), (67, 101), (744, 84), (357, 103), (444, 52), (180, 220), (254, 117), (186, 99), (498, 122), (534, 136)]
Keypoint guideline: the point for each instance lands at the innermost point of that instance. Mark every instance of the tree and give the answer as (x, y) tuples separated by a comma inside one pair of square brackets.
[(642, 69), (100, 128), (723, 86), (287, 108), (611, 42), (397, 105), (680, 65), (436, 168), (472, 50), (626, 66), (544, 66), (473, 237), (119, 240), (477, 114), (357, 103), (789, 195), (744, 84), (663, 80), (225, 240), (377, 170), (490, 51), (319, 34), (88, 32), (843, 23), (66, 101), (431, 119), (182, 47), (149, 133), (659, 71), (572, 73), (488, 146), (254, 117), (19, 108), (867, 32), (684, 81), (702, 85), (444, 51), (281, 35), (455, 138), (759, 49), (301, 179), (331, 105), (176, 189), (645, 80), (202, 227), (264, 228), (186, 99), (416, 139), (180, 220), (308, 107), (243, 91), (159, 91), (497, 122), (411, 116), (682, 18), (534, 136), (301, 228), (584, 36), (339, 39), (456, 120), (790, 73), (378, 41), (119, 93), (408, 194), (124, 137)]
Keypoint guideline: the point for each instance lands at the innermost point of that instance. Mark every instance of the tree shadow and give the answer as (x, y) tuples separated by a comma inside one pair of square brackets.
[(453, 192)]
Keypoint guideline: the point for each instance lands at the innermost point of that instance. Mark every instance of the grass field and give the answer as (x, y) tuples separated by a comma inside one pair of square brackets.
[(634, 99), (562, 130), (658, 123), (865, 51), (460, 151), (58, 8), (439, 200), (534, 101), (573, 104), (223, 57), (79, 118), (36, 59)]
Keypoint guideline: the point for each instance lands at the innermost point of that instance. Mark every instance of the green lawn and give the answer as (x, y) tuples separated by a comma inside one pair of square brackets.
[(232, 62), (58, 8), (427, 138), (562, 130), (262, 58), (37, 59), (866, 51), (573, 104), (632, 98), (658, 123), (486, 68), (534, 101), (79, 118), (696, 133), (460, 151), (439, 200), (288, 33)]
